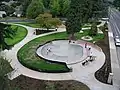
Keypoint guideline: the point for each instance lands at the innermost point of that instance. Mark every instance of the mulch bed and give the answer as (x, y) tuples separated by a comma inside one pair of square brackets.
[(26, 83), (103, 73)]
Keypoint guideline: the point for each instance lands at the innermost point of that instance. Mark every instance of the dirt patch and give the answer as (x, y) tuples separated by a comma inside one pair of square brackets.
[(26, 83), (102, 73)]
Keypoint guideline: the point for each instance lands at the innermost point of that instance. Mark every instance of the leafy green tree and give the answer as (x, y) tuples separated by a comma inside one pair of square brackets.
[(74, 19), (45, 20), (25, 5), (46, 3), (55, 7), (42, 19), (5, 32), (35, 8), (93, 10), (64, 6), (55, 22)]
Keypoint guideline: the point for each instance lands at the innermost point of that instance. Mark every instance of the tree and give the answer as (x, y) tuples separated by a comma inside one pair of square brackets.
[(93, 10), (45, 20), (54, 7), (25, 5), (8, 9), (74, 19), (116, 3), (64, 6), (35, 8), (46, 3), (5, 32)]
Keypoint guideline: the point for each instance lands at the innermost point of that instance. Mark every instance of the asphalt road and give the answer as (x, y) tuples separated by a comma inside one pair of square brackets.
[(115, 26)]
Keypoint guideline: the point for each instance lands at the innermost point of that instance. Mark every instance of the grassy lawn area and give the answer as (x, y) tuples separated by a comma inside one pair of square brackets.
[(19, 35), (30, 59)]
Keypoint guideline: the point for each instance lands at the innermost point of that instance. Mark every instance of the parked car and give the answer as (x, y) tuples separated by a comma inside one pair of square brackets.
[(117, 40)]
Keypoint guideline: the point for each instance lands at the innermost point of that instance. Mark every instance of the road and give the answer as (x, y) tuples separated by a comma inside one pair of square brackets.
[(115, 26)]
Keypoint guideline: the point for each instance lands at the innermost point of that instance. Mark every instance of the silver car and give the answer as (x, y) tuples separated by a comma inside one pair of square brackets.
[(117, 41)]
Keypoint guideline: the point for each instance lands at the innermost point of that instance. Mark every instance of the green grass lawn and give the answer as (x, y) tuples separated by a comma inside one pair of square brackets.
[(27, 56), (20, 34)]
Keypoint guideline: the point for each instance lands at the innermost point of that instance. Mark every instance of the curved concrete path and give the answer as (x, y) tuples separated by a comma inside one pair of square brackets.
[(80, 73)]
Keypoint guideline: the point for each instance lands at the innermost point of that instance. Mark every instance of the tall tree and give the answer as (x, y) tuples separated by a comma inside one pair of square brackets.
[(74, 17), (93, 10), (46, 3), (25, 5), (98, 9), (64, 6), (35, 8), (54, 7)]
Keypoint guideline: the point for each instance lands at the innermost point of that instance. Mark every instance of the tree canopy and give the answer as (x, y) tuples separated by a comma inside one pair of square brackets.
[(64, 6), (74, 17), (93, 9), (116, 3), (83, 11), (25, 5), (55, 7), (35, 8), (46, 21)]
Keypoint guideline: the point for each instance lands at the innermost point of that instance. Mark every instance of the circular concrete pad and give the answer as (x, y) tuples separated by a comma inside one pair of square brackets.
[(62, 51)]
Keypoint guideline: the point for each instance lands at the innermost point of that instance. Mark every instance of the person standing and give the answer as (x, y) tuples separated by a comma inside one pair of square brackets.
[(85, 45), (91, 55)]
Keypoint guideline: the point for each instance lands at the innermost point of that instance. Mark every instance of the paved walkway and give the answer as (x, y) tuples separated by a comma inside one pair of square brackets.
[(80, 73)]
